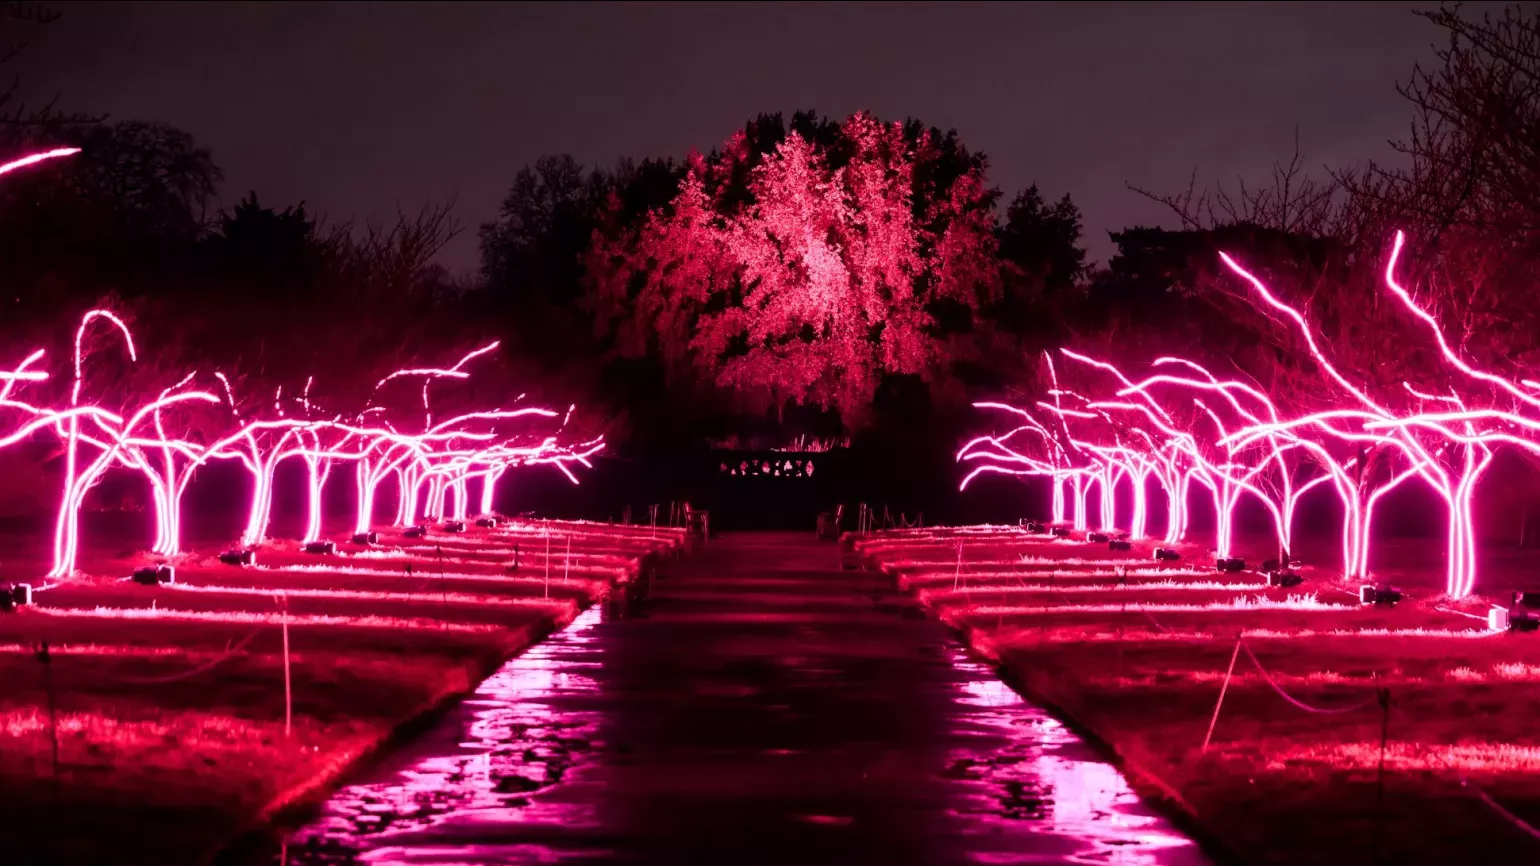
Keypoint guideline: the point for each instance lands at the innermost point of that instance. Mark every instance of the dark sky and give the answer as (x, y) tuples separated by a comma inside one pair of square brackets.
[(360, 108)]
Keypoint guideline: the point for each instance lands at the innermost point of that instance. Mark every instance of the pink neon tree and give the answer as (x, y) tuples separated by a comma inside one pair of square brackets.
[(1450, 459), (1182, 424)]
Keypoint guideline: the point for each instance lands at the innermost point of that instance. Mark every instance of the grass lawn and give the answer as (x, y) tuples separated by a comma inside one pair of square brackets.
[(169, 702), (1137, 655)]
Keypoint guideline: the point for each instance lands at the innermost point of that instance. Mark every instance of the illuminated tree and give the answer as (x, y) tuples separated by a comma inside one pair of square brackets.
[(832, 265)]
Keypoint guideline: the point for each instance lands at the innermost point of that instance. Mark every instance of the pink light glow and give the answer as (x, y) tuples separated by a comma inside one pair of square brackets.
[(36, 158), (445, 456), (1231, 438)]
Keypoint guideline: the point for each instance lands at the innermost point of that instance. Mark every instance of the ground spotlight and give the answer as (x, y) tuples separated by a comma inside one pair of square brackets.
[(454, 526), (1060, 532), (320, 548), (1232, 564), (1380, 595), (415, 532), (150, 575), (366, 538), (1166, 554), (1034, 527), (487, 522), (1098, 537), (1120, 544), (1283, 577), (15, 595), (1520, 615), (238, 557)]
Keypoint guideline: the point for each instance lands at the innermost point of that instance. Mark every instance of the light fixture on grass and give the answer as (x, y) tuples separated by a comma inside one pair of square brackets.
[(366, 538), (454, 526), (415, 531), (1382, 595), (487, 522), (15, 595), (1283, 577), (319, 548), (150, 575), (239, 557), (1060, 532), (1166, 554), (1120, 544), (1098, 537), (1230, 565), (1521, 614)]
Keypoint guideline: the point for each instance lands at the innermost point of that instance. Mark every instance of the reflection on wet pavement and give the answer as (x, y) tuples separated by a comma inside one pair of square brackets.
[(747, 726), (511, 744), (1036, 770)]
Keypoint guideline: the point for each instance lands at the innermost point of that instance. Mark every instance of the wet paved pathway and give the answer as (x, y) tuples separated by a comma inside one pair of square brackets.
[(762, 707)]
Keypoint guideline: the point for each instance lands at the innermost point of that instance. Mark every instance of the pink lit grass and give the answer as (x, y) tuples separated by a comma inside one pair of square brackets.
[(1461, 705)]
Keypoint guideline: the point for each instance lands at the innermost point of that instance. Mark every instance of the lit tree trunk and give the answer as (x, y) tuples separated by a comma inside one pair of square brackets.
[(406, 508), (317, 469), (1137, 520), (490, 479), (366, 480), (67, 527), (1109, 499), (1079, 489)]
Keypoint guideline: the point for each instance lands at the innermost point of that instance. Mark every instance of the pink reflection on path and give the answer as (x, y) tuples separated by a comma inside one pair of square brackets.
[(1028, 768), (517, 747)]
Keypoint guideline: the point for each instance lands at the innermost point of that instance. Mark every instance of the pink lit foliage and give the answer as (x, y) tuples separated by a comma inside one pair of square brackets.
[(1181, 424), (824, 279)]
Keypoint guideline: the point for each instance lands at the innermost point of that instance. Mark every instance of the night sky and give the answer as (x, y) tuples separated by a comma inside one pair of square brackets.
[(360, 108)]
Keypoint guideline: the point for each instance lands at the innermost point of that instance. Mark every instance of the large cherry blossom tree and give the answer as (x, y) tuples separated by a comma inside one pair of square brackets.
[(808, 272)]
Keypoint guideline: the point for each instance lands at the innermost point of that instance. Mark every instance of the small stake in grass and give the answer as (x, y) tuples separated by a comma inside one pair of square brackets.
[(443, 590), (46, 660), (288, 685), (1379, 788), (1222, 689)]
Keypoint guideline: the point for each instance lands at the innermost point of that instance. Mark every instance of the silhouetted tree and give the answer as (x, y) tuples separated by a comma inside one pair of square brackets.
[(125, 213)]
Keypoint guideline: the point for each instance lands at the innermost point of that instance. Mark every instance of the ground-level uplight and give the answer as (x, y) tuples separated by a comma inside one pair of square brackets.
[(418, 531), (487, 522), (239, 557), (366, 538), (454, 526), (1120, 544), (1520, 615), (151, 575), (1166, 554), (1230, 564), (319, 548), (15, 595), (1384, 596), (1283, 577)]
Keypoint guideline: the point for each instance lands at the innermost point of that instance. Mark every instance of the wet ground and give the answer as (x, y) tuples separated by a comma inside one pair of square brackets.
[(762, 706)]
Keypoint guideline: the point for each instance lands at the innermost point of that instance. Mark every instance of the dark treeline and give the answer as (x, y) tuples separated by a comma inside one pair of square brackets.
[(832, 279)]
